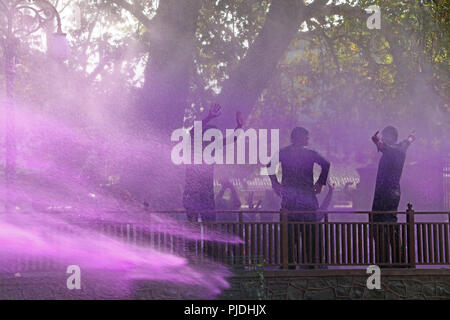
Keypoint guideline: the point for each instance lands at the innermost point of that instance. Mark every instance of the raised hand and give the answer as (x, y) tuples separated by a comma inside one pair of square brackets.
[(412, 136), (376, 137), (215, 111), (239, 119)]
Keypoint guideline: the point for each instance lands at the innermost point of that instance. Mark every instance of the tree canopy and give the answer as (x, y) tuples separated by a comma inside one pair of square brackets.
[(158, 64)]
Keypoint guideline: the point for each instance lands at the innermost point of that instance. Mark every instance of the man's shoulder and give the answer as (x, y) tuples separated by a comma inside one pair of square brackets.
[(310, 152), (295, 150), (285, 150), (396, 149), (403, 145)]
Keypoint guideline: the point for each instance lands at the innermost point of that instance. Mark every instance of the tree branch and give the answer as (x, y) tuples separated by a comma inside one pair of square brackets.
[(245, 83), (316, 5), (136, 11), (345, 10)]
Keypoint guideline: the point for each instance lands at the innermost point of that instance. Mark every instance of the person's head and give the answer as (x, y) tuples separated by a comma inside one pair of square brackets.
[(389, 135), (300, 136)]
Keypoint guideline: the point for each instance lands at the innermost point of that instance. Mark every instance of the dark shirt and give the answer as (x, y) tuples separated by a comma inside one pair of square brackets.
[(391, 165), (297, 164), (199, 187), (387, 189), (199, 184)]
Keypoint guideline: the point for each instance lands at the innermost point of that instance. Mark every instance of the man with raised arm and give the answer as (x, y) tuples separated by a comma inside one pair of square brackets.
[(387, 193), (298, 190), (198, 196)]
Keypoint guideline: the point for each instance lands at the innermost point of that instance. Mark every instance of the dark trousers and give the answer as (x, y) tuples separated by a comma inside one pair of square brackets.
[(304, 244), (389, 246), (386, 233)]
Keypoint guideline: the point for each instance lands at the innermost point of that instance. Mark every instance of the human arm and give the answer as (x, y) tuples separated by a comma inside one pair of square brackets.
[(404, 145), (377, 141), (239, 125), (239, 120), (326, 202), (214, 111), (276, 186), (325, 169)]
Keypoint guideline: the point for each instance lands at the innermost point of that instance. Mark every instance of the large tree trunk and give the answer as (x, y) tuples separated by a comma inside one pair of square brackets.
[(246, 83), (170, 65), (166, 89), (161, 106)]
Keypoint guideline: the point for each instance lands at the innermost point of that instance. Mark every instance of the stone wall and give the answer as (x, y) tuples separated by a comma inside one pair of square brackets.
[(277, 284), (339, 284)]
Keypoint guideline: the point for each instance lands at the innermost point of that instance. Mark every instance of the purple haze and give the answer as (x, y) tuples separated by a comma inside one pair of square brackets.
[(57, 207)]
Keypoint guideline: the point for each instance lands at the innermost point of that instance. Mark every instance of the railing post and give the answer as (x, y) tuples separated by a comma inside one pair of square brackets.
[(411, 236), (284, 239), (242, 253)]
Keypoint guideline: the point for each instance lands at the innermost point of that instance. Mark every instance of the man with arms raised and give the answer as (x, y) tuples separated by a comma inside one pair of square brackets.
[(387, 194)]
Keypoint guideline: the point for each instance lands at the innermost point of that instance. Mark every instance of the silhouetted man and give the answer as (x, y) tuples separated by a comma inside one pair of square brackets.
[(198, 196), (387, 193), (298, 191)]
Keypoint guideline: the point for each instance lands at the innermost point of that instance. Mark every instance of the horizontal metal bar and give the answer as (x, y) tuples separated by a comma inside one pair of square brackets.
[(249, 212)]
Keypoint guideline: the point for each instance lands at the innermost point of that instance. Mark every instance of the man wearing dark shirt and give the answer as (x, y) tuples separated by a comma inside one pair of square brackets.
[(387, 193), (199, 192), (298, 191), (198, 196)]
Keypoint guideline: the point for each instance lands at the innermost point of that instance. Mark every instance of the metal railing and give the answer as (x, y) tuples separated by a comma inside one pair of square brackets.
[(278, 241), (288, 244)]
